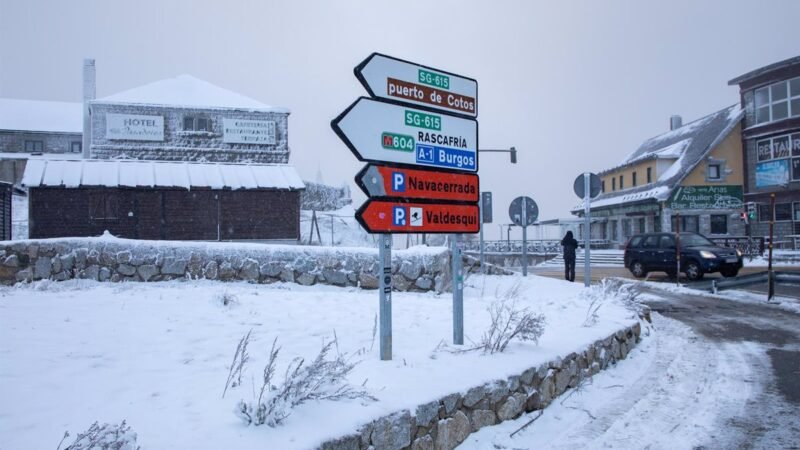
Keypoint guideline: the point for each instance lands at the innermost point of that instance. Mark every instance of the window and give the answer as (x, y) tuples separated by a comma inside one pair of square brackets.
[(613, 184), (614, 232), (75, 147), (602, 185), (687, 223), (651, 241), (714, 172), (633, 180), (778, 101), (784, 147), (621, 183), (34, 146), (667, 241), (191, 123), (649, 174), (783, 211), (797, 211), (641, 225), (627, 228), (104, 206), (719, 224)]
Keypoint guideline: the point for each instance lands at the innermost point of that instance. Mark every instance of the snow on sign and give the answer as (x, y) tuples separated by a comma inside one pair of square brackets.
[(394, 79), (383, 132), (385, 216), (383, 181)]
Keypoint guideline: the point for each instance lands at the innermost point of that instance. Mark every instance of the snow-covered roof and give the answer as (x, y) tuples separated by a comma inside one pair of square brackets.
[(774, 67), (38, 115), (689, 144), (137, 173), (188, 91)]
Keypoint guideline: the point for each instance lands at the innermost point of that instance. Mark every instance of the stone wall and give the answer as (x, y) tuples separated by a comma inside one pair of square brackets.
[(448, 421), (112, 259)]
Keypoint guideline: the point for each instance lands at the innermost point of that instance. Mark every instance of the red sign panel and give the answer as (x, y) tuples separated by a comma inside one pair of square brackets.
[(379, 216), (381, 181)]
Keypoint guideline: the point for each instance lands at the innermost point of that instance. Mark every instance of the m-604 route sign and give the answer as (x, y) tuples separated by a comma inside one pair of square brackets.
[(383, 132), (394, 79), (384, 181), (387, 216)]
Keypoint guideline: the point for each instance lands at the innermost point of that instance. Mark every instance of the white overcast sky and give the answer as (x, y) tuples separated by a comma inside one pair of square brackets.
[(573, 85)]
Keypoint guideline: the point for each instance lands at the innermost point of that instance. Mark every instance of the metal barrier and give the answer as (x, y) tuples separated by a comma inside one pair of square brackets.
[(546, 246), (754, 278), (749, 246)]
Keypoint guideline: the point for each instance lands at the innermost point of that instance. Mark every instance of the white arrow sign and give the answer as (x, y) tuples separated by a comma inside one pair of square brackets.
[(398, 80), (382, 132)]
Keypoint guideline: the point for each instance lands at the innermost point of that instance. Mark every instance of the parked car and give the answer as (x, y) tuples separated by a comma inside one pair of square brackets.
[(655, 252)]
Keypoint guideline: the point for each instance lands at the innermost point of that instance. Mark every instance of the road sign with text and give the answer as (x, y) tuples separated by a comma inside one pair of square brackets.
[(394, 79), (383, 132), (385, 181), (387, 216)]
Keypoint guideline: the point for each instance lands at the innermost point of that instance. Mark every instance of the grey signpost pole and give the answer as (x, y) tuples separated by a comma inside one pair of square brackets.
[(458, 293), (385, 296), (524, 237), (587, 229), (483, 266)]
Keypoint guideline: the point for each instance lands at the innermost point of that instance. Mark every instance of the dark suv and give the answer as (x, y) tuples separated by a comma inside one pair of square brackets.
[(651, 252)]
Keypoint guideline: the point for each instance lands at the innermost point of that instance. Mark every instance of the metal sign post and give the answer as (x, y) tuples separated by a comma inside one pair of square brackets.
[(486, 217), (587, 186), (458, 292), (385, 298), (523, 212), (587, 230)]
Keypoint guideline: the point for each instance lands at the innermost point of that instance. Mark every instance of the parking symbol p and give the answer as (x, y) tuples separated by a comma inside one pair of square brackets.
[(399, 216), (398, 182)]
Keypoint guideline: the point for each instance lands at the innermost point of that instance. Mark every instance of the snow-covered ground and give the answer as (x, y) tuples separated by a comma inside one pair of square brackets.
[(675, 390), (158, 355)]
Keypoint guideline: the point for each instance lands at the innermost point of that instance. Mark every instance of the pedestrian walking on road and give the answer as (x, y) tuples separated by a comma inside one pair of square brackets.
[(570, 245)]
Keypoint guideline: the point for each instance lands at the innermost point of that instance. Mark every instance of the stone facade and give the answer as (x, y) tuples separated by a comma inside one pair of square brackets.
[(52, 142), (447, 422), (118, 260), (181, 145)]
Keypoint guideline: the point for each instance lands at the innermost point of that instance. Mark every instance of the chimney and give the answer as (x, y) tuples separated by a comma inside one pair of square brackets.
[(89, 92), (675, 122)]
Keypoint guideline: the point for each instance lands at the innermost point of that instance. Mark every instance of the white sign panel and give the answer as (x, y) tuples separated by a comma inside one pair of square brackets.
[(383, 132), (395, 79), (246, 131), (131, 127)]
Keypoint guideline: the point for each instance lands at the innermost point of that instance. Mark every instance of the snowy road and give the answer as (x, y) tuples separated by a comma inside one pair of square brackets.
[(716, 381)]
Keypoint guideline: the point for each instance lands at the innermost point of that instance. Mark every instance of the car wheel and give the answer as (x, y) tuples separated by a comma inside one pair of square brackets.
[(637, 269), (729, 273), (693, 271)]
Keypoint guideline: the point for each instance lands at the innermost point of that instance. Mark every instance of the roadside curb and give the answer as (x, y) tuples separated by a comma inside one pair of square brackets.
[(447, 422)]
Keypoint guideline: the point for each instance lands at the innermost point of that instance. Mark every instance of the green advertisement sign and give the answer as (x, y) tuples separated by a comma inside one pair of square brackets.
[(706, 197)]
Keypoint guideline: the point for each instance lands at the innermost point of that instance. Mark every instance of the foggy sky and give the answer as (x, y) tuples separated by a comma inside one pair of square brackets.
[(574, 86)]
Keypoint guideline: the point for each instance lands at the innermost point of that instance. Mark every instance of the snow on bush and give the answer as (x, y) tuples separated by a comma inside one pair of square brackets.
[(322, 379), (103, 437), (609, 289), (226, 299), (509, 322)]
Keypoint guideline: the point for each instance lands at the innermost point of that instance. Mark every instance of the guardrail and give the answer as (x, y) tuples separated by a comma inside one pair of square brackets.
[(547, 246), (749, 246), (754, 278)]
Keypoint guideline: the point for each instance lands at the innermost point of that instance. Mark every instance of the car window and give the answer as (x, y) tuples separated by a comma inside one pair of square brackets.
[(667, 242), (695, 240), (635, 241), (650, 242)]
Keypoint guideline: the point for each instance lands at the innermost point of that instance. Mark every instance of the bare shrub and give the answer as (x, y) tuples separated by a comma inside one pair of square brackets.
[(510, 322), (610, 289), (240, 358), (322, 379), (226, 299), (103, 437)]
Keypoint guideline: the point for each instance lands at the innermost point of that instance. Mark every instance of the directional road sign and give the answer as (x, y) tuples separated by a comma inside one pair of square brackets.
[(383, 181), (594, 186), (523, 211), (386, 216), (383, 132), (394, 79)]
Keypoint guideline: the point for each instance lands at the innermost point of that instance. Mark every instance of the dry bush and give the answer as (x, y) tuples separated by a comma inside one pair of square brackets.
[(509, 322), (103, 437)]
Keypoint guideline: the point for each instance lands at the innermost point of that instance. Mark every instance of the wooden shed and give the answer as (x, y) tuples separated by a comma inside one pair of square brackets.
[(163, 200)]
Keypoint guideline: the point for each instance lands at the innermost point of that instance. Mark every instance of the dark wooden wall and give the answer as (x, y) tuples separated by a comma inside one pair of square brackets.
[(171, 214), (5, 211)]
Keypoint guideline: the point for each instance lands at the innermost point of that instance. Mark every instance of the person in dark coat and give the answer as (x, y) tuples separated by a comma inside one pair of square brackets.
[(570, 245)]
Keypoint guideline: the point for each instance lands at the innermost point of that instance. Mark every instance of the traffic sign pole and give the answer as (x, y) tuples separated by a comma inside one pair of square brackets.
[(458, 292), (587, 229), (524, 237), (385, 298), (483, 266)]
